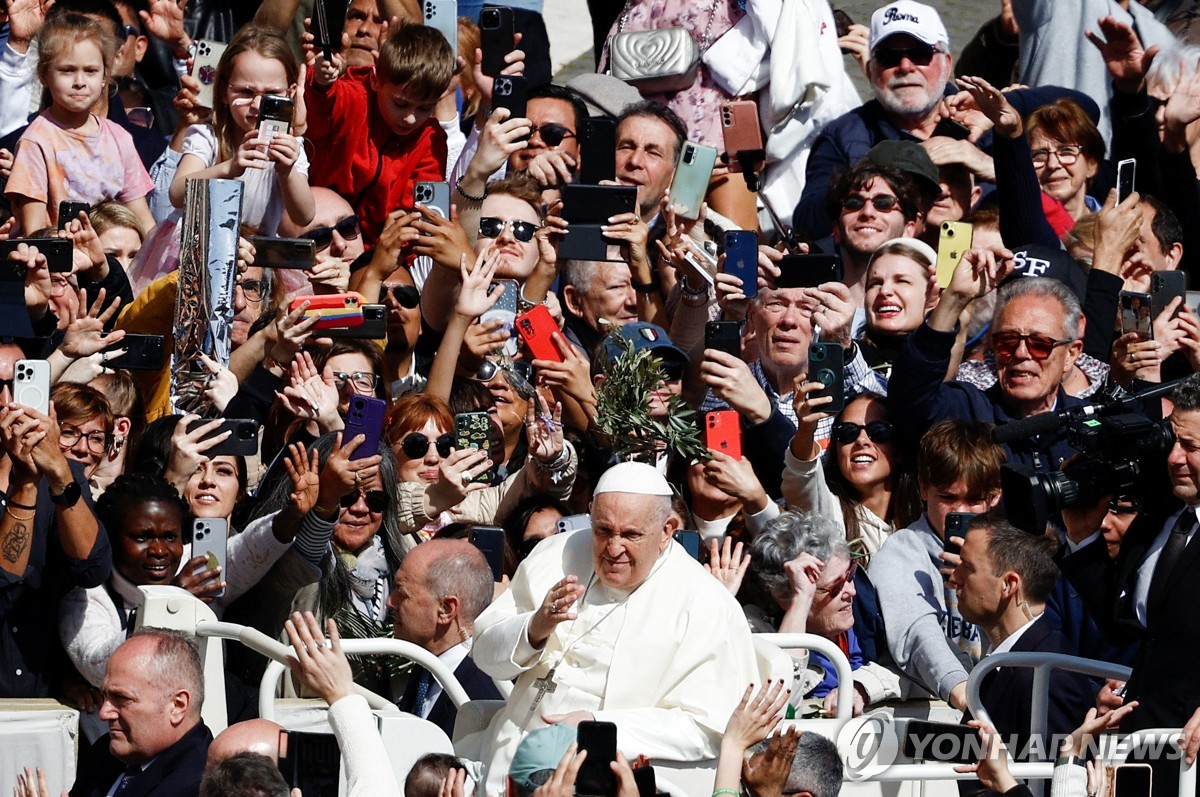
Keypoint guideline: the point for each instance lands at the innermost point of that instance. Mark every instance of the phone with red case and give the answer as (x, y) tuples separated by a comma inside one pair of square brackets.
[(332, 310), (741, 131), (723, 432), (536, 329)]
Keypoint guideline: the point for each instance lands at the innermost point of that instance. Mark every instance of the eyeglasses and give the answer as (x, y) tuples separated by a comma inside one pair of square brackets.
[(130, 30), (836, 587), (406, 296), (490, 369), (884, 203), (377, 500), (890, 57), (362, 381), (59, 285), (69, 436), (142, 116), (322, 237), (491, 227), (1066, 155), (846, 432), (416, 445), (1005, 345), (552, 133), (253, 289)]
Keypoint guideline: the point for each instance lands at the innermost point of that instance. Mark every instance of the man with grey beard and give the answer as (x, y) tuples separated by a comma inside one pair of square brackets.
[(909, 68)]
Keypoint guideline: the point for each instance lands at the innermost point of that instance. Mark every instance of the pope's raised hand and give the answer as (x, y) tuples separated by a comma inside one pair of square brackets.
[(557, 607)]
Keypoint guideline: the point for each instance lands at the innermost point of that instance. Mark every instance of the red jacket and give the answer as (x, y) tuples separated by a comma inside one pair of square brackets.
[(355, 153)]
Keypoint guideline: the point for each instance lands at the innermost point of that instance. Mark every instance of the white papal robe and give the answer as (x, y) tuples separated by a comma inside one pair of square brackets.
[(667, 666)]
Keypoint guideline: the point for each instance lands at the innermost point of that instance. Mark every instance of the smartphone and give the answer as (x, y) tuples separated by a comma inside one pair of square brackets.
[(210, 538), (474, 430), (953, 242), (723, 432), (59, 252), (433, 195), (587, 208), (825, 365), (952, 129), (692, 174), (284, 253), (142, 353), (511, 92), (955, 525), (373, 326), (242, 440), (329, 19), (443, 16), (598, 151), (690, 540), (496, 34), (536, 328), (31, 385), (332, 310), (365, 417), (204, 68), (1165, 286), (808, 271), (504, 310), (69, 211), (647, 784), (596, 778), (1126, 178), (490, 541), (1137, 314), (1132, 780), (574, 523), (724, 336), (741, 259), (741, 133), (274, 116), (310, 761), (941, 741)]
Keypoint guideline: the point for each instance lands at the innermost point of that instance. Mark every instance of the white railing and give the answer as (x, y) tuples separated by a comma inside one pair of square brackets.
[(831, 651)]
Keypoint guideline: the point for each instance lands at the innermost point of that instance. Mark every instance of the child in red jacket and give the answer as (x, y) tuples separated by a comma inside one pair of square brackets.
[(372, 130)]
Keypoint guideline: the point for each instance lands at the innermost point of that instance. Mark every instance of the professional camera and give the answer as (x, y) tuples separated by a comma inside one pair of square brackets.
[(1120, 456)]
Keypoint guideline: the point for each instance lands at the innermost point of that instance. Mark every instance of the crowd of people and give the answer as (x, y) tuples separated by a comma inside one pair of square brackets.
[(677, 445)]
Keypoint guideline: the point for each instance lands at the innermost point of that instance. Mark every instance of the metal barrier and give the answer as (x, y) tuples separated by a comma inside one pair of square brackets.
[(831, 651)]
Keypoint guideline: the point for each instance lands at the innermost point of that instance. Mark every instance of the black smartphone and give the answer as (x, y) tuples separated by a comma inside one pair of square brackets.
[(1126, 178), (741, 259), (496, 34), (955, 525), (59, 252), (724, 336), (808, 271), (242, 440), (329, 18), (142, 353), (952, 129), (594, 204), (598, 151), (647, 785), (69, 211), (826, 365), (690, 540), (1132, 780), (490, 541), (1165, 286), (373, 327), (941, 741), (511, 92), (284, 253), (310, 762), (596, 778)]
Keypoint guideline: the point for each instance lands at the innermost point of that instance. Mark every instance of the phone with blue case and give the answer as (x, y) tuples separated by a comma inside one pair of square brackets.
[(741, 259)]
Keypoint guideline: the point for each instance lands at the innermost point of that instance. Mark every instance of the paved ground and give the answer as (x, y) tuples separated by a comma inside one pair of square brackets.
[(570, 31)]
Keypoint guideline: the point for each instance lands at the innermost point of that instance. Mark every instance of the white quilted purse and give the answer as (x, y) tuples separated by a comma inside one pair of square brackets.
[(656, 61)]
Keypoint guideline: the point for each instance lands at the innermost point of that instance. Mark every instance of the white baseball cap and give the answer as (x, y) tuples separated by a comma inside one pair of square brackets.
[(918, 20), (633, 477)]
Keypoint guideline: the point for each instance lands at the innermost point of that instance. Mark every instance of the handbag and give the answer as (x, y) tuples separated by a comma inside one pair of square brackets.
[(657, 61)]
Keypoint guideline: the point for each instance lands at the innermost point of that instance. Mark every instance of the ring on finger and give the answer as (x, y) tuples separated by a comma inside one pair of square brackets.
[(554, 607)]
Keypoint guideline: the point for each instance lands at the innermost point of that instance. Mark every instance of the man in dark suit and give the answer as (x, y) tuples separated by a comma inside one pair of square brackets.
[(156, 744), (1002, 582), (441, 587)]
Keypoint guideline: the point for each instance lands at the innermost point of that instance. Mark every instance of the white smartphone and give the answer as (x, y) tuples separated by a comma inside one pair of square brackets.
[(31, 385), (443, 15), (204, 69), (210, 538)]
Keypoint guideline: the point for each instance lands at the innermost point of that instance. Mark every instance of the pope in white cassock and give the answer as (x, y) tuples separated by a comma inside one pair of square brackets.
[(620, 625)]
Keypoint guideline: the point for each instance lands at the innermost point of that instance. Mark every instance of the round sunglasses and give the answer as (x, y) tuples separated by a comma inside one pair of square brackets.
[(491, 227), (846, 432), (416, 445)]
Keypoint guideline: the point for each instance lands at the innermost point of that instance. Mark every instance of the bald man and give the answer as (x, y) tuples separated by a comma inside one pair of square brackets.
[(250, 736), (334, 228), (440, 588)]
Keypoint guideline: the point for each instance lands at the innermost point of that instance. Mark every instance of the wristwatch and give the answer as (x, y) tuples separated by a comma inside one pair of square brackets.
[(68, 497)]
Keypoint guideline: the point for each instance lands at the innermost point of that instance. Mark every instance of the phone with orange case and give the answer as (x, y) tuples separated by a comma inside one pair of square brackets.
[(723, 432), (536, 328), (332, 310)]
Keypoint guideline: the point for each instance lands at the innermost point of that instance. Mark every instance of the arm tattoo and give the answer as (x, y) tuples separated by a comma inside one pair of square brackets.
[(15, 542)]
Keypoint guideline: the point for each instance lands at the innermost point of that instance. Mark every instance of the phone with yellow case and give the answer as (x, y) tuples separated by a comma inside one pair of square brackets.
[(953, 243)]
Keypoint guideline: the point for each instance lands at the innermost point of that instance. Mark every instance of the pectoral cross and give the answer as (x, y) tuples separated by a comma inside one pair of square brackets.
[(543, 685)]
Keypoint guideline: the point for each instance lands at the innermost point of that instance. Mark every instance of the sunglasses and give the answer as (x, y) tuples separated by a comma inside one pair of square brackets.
[(884, 203), (1005, 345), (673, 370), (416, 445), (406, 296), (490, 369), (846, 432), (377, 500), (322, 237), (552, 133), (836, 587), (890, 57), (491, 227)]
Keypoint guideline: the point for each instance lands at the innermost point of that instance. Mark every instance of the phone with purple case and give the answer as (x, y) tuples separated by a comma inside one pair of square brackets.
[(365, 417)]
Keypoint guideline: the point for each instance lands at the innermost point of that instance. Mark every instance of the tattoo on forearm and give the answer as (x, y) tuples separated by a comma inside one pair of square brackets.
[(15, 542)]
